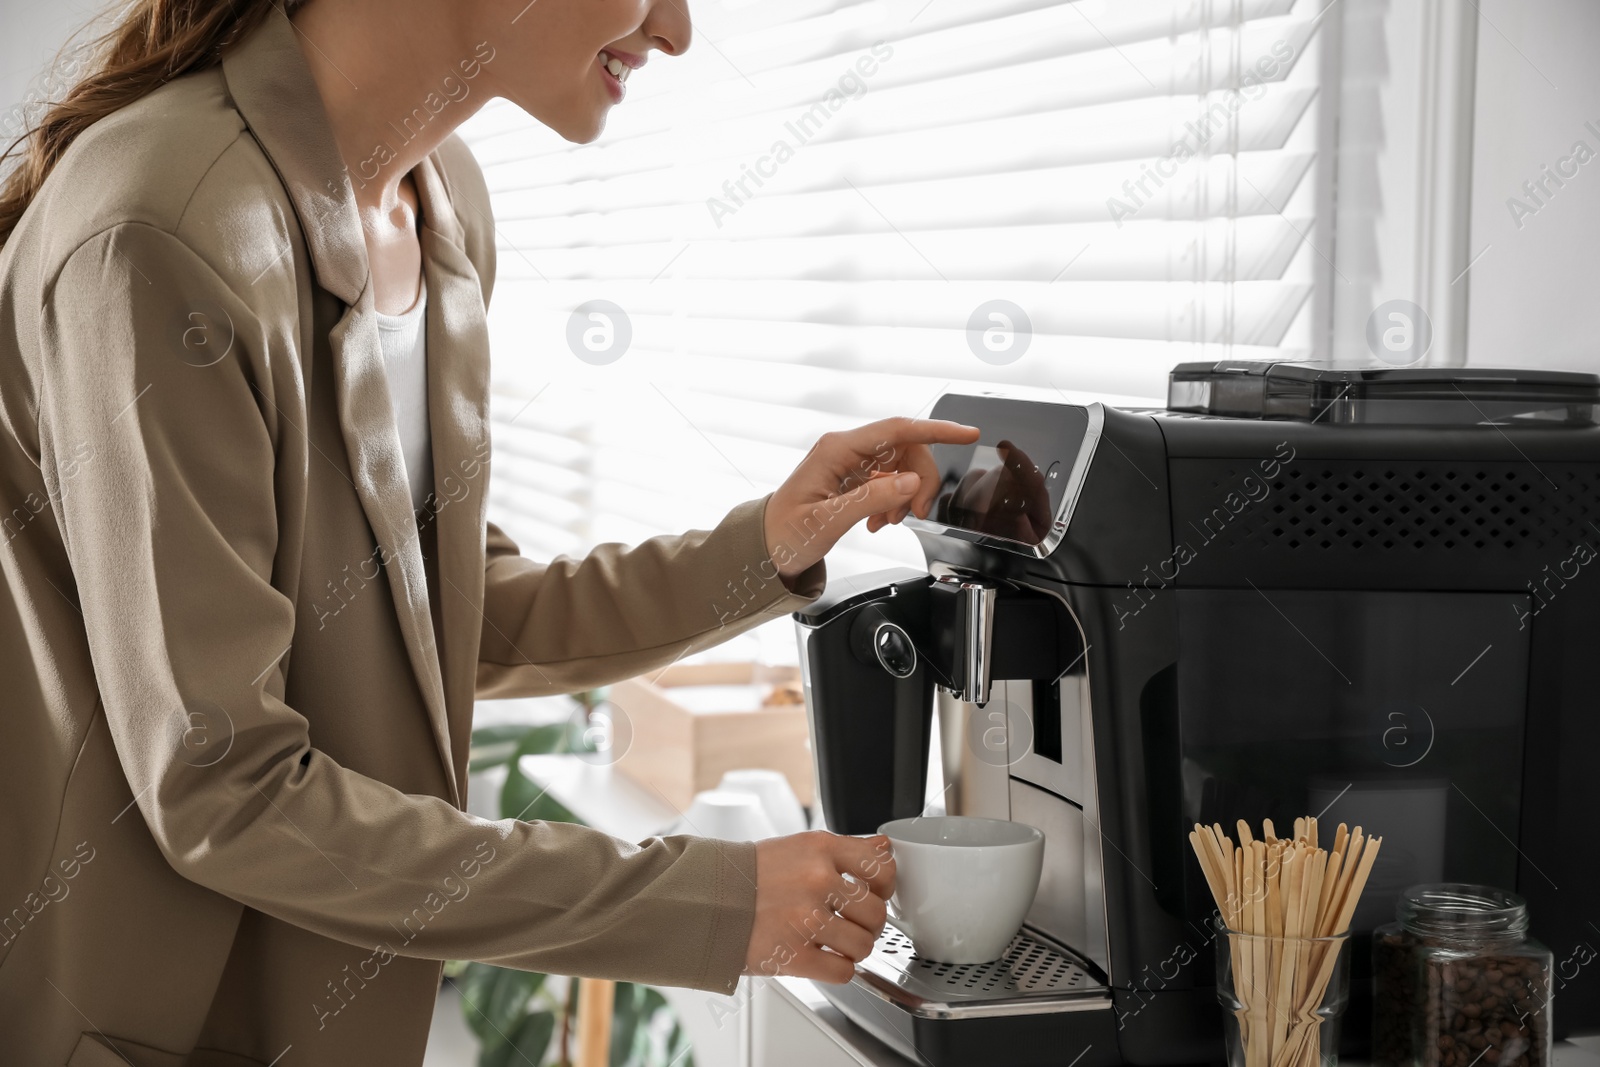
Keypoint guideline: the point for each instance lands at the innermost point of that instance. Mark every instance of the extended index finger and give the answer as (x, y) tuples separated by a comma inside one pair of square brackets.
[(902, 444), (898, 431)]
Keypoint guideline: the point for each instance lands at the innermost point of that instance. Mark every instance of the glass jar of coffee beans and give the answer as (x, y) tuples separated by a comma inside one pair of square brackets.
[(1457, 982)]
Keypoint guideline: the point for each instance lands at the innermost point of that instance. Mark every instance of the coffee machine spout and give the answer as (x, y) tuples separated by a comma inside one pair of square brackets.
[(974, 652)]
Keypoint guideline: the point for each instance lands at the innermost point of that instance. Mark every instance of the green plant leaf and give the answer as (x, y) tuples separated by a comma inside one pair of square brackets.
[(474, 986), (495, 1000), (678, 1054), (499, 734), (523, 798), (484, 759), (651, 1000), (625, 1023), (512, 994), (493, 746), (542, 740), (643, 1045), (524, 1045)]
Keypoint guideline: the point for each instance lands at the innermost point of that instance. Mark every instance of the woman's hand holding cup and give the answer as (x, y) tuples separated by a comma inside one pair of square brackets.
[(821, 902)]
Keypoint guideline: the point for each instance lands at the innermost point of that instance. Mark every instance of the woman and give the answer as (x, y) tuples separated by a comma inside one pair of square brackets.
[(240, 663)]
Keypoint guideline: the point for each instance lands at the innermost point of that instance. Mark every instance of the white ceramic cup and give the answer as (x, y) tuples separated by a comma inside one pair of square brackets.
[(726, 816), (773, 790), (963, 885)]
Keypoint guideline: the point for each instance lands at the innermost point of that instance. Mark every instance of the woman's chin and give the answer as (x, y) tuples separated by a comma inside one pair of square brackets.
[(580, 126), (586, 133)]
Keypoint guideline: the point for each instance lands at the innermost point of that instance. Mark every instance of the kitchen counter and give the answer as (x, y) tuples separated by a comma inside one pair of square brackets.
[(792, 1023)]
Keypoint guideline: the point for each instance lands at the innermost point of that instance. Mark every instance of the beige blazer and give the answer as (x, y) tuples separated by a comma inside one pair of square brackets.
[(238, 672)]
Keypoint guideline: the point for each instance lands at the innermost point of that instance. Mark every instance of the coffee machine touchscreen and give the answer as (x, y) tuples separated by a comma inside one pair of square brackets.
[(1002, 493), (1011, 483)]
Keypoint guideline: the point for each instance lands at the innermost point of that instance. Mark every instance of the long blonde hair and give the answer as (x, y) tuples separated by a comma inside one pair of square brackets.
[(153, 42)]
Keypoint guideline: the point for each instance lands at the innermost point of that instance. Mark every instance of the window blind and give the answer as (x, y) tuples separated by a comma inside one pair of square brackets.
[(830, 211)]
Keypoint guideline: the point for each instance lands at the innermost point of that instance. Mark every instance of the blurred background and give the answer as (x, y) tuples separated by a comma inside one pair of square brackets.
[(831, 211)]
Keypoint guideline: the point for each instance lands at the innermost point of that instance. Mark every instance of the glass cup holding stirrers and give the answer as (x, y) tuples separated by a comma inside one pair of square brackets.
[(1283, 998), (1283, 937)]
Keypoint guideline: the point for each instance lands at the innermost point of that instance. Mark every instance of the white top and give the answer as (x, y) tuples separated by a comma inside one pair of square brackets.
[(405, 361)]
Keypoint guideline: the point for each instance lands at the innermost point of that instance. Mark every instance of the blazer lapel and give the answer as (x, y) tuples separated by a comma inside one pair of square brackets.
[(458, 416), (377, 467), (272, 88)]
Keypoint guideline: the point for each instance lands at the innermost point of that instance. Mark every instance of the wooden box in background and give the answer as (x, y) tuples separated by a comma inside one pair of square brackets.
[(694, 721)]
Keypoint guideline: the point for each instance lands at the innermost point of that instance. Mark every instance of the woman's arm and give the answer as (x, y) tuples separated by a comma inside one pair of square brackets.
[(574, 624)]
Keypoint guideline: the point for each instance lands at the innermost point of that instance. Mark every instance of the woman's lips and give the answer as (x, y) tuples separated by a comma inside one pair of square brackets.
[(630, 58), (615, 67)]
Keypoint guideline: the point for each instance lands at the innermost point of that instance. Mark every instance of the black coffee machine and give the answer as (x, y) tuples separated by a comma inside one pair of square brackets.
[(1369, 595)]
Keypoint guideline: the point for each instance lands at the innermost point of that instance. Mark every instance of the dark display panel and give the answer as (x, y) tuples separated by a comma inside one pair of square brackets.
[(1011, 483)]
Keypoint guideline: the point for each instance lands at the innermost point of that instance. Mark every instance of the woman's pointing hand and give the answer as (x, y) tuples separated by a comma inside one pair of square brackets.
[(880, 472)]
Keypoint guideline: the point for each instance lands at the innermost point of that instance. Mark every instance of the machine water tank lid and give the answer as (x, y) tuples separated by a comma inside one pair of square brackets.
[(1317, 391)]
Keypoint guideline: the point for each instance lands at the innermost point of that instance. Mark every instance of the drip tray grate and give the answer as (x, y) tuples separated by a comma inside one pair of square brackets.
[(1032, 974)]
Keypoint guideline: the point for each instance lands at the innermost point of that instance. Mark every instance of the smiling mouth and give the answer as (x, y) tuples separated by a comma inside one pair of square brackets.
[(615, 67)]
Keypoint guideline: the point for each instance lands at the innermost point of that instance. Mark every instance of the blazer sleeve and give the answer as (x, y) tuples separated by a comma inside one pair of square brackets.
[(162, 472), (574, 624)]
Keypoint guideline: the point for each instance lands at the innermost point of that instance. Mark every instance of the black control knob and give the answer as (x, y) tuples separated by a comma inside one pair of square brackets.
[(896, 654)]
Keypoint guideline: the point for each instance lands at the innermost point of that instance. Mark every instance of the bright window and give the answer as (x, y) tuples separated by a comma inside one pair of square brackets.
[(801, 218)]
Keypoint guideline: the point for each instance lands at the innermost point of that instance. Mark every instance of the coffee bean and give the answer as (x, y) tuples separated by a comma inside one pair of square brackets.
[(1490, 1009)]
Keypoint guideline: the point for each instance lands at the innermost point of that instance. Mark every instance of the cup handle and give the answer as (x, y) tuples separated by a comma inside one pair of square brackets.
[(901, 923)]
